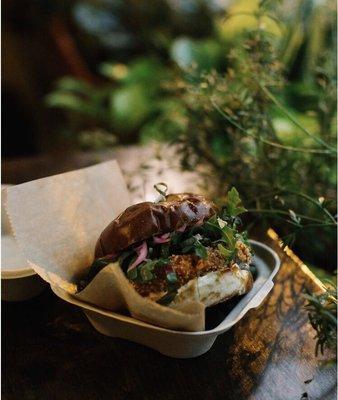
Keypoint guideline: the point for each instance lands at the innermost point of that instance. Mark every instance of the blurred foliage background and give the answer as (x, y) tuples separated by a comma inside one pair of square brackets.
[(245, 89)]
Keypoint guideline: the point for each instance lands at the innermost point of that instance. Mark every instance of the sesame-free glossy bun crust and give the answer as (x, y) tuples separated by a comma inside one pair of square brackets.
[(141, 221)]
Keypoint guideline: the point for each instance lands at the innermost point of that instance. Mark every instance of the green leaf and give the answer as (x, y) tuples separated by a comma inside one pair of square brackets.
[(212, 228), (229, 235), (193, 245), (234, 203), (94, 269), (146, 269), (206, 54), (146, 273), (68, 83), (200, 250), (64, 99), (130, 107), (111, 71), (226, 253), (132, 274)]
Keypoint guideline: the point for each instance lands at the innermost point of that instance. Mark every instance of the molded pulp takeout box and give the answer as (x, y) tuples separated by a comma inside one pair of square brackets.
[(18, 280), (177, 343)]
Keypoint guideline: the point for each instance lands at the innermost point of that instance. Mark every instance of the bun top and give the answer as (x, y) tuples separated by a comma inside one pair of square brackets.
[(144, 220)]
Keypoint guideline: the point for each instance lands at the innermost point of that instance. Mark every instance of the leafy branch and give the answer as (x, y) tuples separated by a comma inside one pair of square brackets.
[(322, 309), (269, 142), (294, 121)]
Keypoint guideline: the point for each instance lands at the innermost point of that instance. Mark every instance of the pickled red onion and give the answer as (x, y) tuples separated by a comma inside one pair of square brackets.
[(142, 251), (182, 228), (162, 238)]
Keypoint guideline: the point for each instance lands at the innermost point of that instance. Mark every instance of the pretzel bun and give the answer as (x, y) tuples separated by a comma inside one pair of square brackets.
[(141, 221)]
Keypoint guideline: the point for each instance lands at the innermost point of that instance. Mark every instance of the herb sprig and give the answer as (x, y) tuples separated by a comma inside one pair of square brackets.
[(322, 310)]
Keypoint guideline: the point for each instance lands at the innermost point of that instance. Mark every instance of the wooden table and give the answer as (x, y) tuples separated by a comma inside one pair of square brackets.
[(50, 351)]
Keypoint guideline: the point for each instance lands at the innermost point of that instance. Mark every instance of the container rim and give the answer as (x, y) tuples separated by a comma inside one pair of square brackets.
[(14, 273), (17, 273)]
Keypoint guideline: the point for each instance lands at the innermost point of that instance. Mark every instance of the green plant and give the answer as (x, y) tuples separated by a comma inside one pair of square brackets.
[(145, 39), (130, 104), (242, 131), (322, 310), (245, 119), (234, 137)]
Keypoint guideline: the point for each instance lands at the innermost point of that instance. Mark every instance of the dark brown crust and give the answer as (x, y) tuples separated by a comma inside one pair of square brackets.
[(141, 221)]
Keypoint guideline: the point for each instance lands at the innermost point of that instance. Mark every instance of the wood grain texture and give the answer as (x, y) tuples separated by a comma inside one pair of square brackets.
[(51, 352)]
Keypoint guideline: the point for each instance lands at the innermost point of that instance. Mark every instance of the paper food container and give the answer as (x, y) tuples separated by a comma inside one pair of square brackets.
[(179, 344), (19, 281), (57, 221)]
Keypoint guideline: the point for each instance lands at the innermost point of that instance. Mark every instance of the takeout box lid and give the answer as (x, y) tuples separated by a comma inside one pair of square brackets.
[(13, 263)]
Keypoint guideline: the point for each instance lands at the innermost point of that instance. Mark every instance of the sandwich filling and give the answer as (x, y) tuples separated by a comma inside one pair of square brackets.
[(186, 267), (159, 266)]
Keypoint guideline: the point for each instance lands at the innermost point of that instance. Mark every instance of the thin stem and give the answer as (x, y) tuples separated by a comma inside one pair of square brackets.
[(282, 212), (318, 225), (262, 196), (274, 144), (311, 200), (292, 119)]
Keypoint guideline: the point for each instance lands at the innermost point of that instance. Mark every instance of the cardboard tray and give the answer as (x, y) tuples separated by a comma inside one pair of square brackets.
[(180, 344)]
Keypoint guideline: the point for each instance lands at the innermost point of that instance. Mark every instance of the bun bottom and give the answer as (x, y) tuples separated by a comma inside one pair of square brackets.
[(214, 287)]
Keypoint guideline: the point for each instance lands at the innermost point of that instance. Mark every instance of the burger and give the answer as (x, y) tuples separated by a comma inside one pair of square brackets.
[(180, 248)]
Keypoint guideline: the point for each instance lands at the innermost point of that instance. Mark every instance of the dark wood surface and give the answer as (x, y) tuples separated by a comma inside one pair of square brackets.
[(50, 351)]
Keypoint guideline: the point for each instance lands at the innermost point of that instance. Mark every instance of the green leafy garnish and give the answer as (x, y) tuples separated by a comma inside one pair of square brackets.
[(194, 245), (234, 204), (95, 268), (145, 272), (229, 236), (200, 250), (132, 274), (226, 253)]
